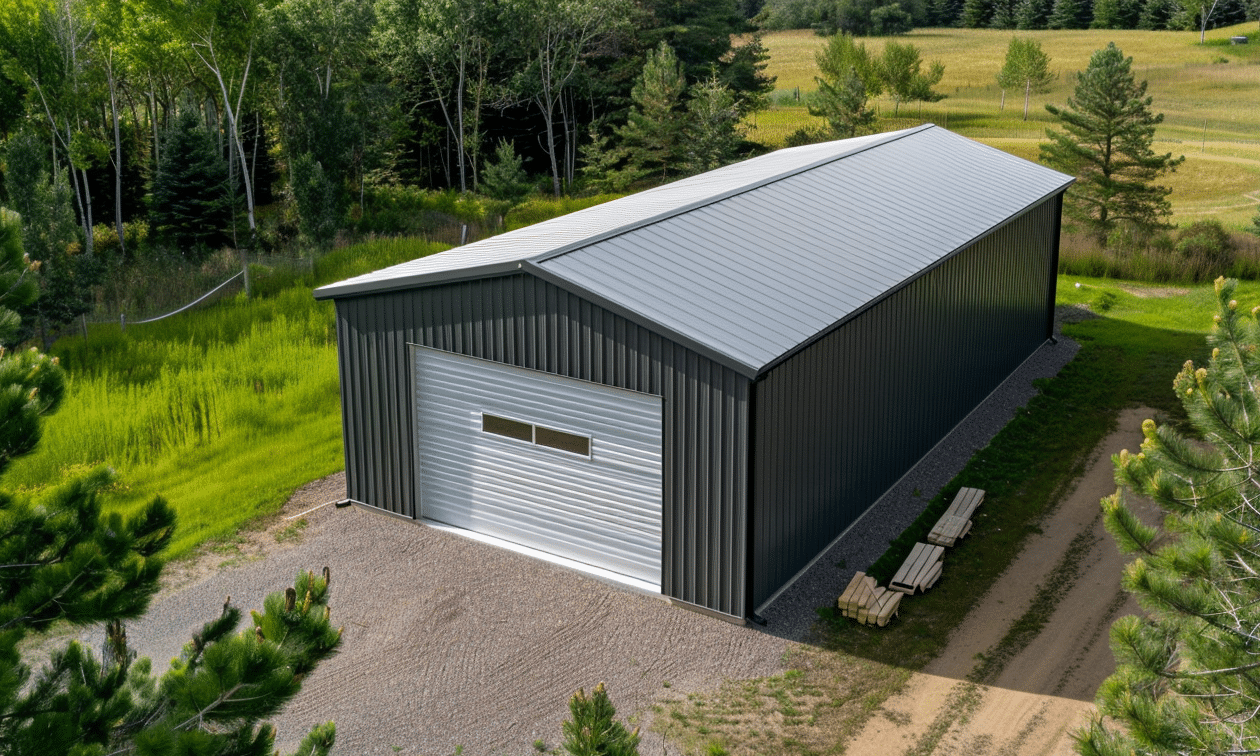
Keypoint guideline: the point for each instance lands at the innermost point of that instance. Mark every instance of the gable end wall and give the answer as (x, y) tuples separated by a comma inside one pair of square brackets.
[(524, 321)]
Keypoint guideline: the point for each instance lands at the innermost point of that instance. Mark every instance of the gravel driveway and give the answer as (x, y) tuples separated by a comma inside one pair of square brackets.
[(452, 643)]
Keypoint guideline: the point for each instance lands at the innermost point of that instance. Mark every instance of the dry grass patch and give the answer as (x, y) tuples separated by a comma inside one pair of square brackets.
[(813, 708)]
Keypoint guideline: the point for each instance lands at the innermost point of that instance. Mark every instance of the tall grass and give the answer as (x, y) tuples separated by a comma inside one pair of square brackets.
[(224, 412)]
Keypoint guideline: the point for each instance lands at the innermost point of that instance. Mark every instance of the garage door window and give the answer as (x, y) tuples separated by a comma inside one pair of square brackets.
[(536, 434)]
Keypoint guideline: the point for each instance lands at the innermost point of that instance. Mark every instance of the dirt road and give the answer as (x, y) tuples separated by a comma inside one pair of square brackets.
[(1038, 693)]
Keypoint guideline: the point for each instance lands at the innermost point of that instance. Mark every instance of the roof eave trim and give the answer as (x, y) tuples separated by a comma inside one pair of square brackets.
[(725, 360), (339, 290), (802, 346), (721, 196)]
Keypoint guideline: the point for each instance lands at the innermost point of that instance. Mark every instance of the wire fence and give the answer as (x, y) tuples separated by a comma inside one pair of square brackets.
[(210, 296)]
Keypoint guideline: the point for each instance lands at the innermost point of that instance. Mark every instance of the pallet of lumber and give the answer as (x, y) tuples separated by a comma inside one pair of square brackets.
[(866, 602), (956, 522), (920, 571)]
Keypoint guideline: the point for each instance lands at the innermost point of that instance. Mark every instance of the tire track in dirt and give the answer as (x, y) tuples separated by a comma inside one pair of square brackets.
[(1045, 689)]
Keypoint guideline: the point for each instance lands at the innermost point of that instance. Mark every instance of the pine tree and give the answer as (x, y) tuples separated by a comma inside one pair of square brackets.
[(1004, 14), (315, 196), (1068, 14), (1185, 679), (1106, 143), (64, 560), (1031, 14), (652, 134), (592, 730), (976, 14), (844, 104), (188, 201), (505, 179), (712, 136)]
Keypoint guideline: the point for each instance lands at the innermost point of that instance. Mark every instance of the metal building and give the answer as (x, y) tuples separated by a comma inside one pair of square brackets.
[(699, 387)]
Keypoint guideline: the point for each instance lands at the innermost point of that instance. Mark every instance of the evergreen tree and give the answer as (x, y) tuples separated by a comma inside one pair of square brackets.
[(844, 104), (505, 178), (943, 12), (976, 14), (603, 163), (1115, 14), (591, 729), (316, 197), (1185, 679), (50, 238), (1004, 14), (712, 136), (1031, 14), (188, 200), (17, 279), (652, 134), (1156, 14), (745, 75), (1068, 14), (1106, 143), (1027, 67)]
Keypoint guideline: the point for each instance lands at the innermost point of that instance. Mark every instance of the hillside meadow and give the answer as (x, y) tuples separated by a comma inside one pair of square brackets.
[(1209, 95)]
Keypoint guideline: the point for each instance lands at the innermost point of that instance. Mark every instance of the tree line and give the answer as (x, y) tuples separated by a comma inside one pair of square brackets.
[(170, 110), (882, 17)]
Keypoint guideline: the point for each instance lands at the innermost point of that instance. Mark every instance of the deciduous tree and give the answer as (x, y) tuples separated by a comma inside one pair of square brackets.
[(1026, 67), (1108, 128), (1186, 681), (901, 69)]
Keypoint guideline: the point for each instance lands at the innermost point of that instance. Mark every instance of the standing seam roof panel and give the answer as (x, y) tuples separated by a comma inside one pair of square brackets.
[(787, 245)]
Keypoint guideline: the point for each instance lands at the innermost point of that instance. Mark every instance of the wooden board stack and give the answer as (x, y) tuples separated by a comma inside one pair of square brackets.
[(867, 603), (920, 571), (956, 522)]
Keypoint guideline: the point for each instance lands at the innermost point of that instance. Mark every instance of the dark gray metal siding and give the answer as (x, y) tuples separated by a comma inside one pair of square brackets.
[(839, 422), (524, 321)]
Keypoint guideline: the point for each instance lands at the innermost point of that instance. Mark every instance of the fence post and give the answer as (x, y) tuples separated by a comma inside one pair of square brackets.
[(245, 270), (122, 321)]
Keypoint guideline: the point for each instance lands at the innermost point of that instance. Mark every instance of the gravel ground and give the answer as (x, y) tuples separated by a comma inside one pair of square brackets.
[(451, 643)]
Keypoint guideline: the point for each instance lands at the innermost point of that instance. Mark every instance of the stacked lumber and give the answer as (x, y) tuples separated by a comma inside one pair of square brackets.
[(956, 522), (867, 603), (920, 571)]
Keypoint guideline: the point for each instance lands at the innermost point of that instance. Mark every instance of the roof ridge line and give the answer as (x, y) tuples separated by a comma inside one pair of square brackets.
[(565, 249)]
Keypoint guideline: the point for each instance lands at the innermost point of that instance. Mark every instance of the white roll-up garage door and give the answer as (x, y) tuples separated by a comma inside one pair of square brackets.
[(564, 466)]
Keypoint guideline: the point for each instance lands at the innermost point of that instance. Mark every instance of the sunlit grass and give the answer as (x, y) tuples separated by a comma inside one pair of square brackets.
[(224, 412), (1209, 106)]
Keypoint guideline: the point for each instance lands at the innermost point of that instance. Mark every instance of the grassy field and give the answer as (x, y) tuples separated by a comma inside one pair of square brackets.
[(1129, 356), (1207, 94), (224, 412)]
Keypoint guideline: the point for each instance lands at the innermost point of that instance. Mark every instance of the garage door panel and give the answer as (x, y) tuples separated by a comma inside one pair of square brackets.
[(603, 510)]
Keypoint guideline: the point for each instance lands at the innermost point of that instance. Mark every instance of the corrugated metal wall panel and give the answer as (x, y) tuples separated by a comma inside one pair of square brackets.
[(524, 321), (841, 421)]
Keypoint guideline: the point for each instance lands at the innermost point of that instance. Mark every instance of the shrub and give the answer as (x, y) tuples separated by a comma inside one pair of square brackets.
[(1208, 245)]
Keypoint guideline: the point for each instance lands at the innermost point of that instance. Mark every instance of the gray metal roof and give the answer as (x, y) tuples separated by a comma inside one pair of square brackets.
[(747, 262)]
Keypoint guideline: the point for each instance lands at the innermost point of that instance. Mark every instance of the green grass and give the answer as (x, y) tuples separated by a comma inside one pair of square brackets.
[(224, 412), (1221, 176), (1128, 357)]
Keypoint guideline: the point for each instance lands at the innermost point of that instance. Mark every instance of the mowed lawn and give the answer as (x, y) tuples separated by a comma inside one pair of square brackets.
[(1209, 95)]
